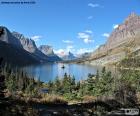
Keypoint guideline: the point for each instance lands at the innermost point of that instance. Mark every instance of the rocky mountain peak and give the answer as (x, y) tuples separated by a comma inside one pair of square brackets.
[(126, 34), (7, 37), (132, 16), (125, 31), (46, 49), (27, 43)]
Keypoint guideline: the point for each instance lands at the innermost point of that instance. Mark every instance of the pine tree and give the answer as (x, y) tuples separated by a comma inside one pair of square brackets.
[(2, 81), (57, 86)]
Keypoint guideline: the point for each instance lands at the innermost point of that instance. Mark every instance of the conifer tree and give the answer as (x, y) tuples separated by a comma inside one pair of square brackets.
[(2, 81)]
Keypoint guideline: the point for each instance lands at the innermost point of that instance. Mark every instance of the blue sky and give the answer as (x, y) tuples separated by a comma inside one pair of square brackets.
[(75, 25)]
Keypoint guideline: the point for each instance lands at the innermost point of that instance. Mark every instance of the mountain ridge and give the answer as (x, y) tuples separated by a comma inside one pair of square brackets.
[(124, 40), (18, 43)]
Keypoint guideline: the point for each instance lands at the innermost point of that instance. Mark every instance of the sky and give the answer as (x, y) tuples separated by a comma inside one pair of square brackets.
[(67, 25)]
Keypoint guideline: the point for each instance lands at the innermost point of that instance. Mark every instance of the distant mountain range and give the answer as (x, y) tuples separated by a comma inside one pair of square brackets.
[(69, 56), (123, 41), (19, 50)]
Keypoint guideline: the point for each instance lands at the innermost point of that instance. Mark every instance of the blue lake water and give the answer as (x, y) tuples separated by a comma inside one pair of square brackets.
[(47, 72)]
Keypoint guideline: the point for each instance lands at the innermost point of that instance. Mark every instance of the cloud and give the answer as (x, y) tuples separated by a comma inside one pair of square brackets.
[(87, 37), (60, 52), (36, 37), (87, 40), (88, 31), (115, 26), (67, 41), (90, 17), (105, 35), (93, 5), (69, 48), (96, 46), (63, 52)]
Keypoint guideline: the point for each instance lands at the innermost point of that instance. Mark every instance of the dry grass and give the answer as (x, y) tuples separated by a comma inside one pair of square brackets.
[(89, 99), (53, 99)]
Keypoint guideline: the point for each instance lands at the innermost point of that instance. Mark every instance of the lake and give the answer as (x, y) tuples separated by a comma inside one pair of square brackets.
[(50, 71)]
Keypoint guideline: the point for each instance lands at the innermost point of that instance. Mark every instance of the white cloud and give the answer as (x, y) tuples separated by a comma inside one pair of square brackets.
[(105, 35), (87, 38), (93, 5), (89, 31), (63, 52), (36, 37), (60, 52), (67, 41), (69, 48), (97, 47), (83, 35), (90, 17), (115, 26)]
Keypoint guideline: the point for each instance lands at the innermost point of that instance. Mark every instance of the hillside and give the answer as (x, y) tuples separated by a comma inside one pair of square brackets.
[(15, 56), (122, 42), (17, 49)]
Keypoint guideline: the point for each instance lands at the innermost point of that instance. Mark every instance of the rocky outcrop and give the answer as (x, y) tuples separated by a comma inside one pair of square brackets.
[(48, 51), (7, 37), (124, 40), (28, 44), (125, 32)]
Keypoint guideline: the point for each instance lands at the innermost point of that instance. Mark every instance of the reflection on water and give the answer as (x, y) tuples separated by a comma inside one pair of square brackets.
[(50, 71)]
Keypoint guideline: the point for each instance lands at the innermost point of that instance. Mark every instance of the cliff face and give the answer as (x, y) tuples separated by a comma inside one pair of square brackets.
[(43, 53), (124, 40), (48, 51), (125, 32), (16, 49), (11, 49), (7, 37), (30, 46), (27, 44)]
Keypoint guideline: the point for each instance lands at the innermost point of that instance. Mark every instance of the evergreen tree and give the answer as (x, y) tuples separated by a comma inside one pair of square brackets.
[(57, 86), (2, 80)]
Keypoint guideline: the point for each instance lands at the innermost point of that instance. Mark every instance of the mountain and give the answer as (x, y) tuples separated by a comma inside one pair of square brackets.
[(11, 49), (7, 37), (84, 55), (69, 56), (30, 46), (16, 49), (48, 51), (123, 41)]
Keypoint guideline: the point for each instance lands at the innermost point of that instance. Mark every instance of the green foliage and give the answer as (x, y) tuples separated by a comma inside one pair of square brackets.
[(101, 84), (17, 80)]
